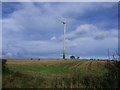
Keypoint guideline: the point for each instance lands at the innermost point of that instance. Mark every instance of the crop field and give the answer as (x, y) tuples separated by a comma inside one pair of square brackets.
[(59, 73), (55, 67)]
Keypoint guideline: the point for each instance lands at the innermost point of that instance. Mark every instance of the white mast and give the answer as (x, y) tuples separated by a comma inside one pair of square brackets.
[(64, 43), (64, 38)]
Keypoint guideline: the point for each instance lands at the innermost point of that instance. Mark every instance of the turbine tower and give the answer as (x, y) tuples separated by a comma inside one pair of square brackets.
[(64, 44), (64, 38)]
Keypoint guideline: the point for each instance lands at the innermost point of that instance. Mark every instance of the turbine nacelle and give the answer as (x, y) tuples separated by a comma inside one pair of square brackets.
[(64, 22)]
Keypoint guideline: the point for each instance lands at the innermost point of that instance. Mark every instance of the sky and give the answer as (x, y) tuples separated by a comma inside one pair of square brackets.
[(32, 29)]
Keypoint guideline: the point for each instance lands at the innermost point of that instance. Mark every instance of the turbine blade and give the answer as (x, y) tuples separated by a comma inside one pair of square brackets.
[(62, 21)]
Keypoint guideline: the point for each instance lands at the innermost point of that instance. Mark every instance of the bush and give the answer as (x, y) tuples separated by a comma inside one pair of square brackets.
[(72, 57), (4, 66)]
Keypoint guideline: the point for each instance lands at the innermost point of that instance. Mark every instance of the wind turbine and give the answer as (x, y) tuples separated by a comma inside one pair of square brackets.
[(64, 38)]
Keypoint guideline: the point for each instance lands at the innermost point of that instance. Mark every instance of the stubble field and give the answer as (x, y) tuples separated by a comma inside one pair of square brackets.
[(59, 73)]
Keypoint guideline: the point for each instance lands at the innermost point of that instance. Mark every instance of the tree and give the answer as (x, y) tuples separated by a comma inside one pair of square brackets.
[(72, 57), (78, 57)]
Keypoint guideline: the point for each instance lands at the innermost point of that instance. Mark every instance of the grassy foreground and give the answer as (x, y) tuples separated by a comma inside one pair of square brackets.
[(61, 74)]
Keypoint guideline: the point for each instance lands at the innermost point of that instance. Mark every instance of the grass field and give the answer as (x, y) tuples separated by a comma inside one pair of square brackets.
[(58, 73)]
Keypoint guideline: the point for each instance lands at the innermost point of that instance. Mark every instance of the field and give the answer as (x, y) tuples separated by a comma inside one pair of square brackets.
[(58, 73)]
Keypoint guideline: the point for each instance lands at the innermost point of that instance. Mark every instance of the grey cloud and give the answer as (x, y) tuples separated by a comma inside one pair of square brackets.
[(82, 31), (99, 37), (92, 31), (85, 28)]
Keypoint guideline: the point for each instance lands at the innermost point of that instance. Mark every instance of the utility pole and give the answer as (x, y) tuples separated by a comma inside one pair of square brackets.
[(108, 54)]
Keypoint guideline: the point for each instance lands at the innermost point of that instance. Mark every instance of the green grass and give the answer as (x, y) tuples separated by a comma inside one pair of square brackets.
[(50, 69)]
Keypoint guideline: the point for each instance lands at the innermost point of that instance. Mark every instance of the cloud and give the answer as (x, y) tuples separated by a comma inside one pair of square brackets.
[(92, 31), (53, 38), (100, 37), (85, 28), (33, 30), (11, 25), (90, 47)]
